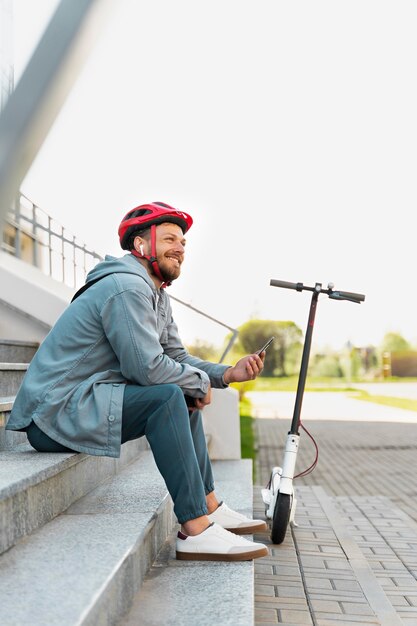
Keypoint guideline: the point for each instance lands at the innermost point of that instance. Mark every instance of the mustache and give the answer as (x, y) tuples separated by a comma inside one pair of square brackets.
[(179, 257)]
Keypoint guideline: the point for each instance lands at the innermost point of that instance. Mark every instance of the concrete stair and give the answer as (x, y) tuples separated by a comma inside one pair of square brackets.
[(14, 351), (180, 593), (11, 375), (84, 566), (69, 558), (15, 357), (79, 533)]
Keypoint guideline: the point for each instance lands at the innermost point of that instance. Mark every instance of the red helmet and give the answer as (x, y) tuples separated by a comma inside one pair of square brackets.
[(150, 215), (145, 215)]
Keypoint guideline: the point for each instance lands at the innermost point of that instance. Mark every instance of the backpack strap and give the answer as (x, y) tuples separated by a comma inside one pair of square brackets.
[(86, 286)]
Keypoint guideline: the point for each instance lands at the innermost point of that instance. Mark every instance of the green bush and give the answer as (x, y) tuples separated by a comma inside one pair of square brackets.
[(327, 366)]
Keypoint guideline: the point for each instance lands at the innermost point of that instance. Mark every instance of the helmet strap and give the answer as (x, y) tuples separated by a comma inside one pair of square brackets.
[(151, 258)]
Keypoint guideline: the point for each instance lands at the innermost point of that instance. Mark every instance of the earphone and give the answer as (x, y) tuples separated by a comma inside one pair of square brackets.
[(141, 249)]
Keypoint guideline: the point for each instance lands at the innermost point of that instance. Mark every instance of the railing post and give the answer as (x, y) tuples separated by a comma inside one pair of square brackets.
[(63, 253), (74, 261), (18, 239), (34, 233), (50, 244)]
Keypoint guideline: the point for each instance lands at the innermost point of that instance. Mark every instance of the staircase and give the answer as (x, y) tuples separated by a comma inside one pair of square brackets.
[(81, 536)]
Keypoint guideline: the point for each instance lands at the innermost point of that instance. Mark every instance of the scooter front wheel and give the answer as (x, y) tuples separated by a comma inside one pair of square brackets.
[(281, 517)]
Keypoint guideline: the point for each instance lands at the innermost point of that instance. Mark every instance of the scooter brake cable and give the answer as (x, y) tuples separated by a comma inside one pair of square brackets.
[(313, 465)]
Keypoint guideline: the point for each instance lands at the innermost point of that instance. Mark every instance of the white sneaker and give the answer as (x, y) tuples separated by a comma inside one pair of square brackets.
[(217, 544), (236, 522)]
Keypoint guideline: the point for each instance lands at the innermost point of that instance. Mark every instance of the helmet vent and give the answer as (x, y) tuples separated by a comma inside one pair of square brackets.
[(137, 213)]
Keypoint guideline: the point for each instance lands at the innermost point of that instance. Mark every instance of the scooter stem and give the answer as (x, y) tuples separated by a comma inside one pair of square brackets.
[(288, 466), (295, 424)]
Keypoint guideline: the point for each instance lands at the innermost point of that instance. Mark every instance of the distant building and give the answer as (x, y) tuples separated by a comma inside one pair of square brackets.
[(404, 363)]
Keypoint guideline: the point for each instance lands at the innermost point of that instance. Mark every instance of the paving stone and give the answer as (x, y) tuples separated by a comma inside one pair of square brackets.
[(398, 600), (346, 585), (264, 590), (329, 606), (290, 592), (286, 570), (318, 583), (353, 608), (339, 620), (280, 603), (276, 579), (264, 569), (337, 596), (296, 617), (264, 615)]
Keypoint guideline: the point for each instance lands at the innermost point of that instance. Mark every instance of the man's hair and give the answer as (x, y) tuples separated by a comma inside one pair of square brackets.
[(144, 233)]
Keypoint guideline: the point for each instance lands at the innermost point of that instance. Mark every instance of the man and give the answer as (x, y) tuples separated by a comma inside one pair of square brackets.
[(113, 368)]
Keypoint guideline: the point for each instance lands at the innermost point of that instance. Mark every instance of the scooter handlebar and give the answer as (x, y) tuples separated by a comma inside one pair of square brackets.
[(334, 295), (286, 285), (347, 295)]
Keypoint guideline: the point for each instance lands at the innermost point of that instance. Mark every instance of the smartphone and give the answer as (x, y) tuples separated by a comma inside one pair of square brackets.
[(266, 346)]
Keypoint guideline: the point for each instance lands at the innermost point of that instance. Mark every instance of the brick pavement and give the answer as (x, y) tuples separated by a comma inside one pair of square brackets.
[(355, 458), (353, 558)]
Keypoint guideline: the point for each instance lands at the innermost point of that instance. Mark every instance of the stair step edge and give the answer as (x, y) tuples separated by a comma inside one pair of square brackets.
[(102, 546)]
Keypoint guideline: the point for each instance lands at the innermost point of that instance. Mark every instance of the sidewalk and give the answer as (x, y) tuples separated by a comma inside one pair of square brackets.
[(326, 406), (359, 507)]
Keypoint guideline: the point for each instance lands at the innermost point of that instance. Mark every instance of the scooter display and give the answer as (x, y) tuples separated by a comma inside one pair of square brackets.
[(278, 496)]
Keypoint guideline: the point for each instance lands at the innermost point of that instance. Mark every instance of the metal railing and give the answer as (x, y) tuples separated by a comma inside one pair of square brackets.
[(235, 332), (34, 236), (28, 232)]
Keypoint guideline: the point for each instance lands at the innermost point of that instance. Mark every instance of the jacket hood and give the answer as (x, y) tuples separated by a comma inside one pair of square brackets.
[(126, 264)]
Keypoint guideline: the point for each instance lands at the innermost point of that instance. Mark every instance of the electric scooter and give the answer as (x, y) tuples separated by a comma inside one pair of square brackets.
[(278, 496)]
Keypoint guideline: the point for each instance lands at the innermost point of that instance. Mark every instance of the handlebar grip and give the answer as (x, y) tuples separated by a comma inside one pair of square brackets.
[(349, 295), (285, 284)]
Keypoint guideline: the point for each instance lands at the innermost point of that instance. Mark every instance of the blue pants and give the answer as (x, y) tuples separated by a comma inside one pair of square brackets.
[(176, 439)]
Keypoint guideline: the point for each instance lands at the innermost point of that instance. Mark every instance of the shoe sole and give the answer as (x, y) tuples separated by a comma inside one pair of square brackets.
[(249, 530), (242, 556)]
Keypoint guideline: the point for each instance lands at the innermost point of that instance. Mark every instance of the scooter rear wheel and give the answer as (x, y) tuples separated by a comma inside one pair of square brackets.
[(281, 517)]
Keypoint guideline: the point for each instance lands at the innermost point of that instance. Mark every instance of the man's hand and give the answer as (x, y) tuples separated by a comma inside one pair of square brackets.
[(198, 403), (247, 368)]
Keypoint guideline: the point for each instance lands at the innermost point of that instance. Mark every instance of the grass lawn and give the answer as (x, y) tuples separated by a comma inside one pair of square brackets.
[(289, 383), (247, 434), (398, 403)]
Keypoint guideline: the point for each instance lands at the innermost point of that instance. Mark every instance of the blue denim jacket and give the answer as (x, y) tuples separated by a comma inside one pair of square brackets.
[(119, 331)]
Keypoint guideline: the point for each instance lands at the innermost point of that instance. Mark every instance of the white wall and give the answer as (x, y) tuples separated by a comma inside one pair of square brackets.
[(222, 424), (30, 301)]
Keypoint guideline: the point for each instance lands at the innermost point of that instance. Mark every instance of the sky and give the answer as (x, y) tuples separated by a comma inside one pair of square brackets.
[(288, 130)]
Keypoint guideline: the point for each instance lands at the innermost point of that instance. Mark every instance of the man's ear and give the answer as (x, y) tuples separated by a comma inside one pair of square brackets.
[(138, 242)]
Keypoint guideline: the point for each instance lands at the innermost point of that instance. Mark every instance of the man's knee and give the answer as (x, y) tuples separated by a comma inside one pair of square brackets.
[(170, 393)]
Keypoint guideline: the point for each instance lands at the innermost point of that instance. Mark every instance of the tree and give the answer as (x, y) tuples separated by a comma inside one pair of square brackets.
[(253, 334), (203, 350), (394, 342)]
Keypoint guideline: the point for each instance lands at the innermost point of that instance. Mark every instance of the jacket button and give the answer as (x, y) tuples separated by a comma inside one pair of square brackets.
[(111, 418), (116, 385)]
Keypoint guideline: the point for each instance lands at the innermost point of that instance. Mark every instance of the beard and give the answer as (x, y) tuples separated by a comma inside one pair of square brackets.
[(169, 270)]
